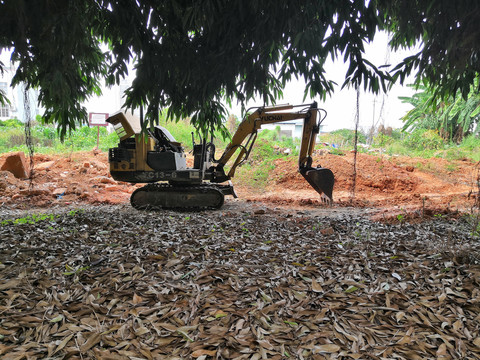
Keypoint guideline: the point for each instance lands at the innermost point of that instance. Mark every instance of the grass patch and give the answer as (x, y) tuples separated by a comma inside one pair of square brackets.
[(45, 140), (30, 219)]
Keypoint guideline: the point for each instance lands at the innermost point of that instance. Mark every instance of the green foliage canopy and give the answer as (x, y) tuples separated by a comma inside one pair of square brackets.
[(449, 59), (190, 55)]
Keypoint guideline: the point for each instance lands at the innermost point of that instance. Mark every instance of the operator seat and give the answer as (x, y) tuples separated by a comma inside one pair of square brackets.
[(163, 138)]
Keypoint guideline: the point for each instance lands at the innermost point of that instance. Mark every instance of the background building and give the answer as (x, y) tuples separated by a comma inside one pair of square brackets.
[(291, 129), (16, 95)]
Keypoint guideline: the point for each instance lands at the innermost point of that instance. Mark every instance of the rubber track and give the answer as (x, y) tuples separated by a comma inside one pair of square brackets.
[(165, 188)]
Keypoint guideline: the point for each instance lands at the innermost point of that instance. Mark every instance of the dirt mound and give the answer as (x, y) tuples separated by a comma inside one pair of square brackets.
[(75, 178), (372, 173), (393, 184), (382, 181)]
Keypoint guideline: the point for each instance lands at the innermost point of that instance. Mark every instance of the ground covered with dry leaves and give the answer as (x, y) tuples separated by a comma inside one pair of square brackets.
[(108, 282)]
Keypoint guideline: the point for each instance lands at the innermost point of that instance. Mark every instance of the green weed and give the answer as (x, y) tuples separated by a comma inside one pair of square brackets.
[(30, 219), (76, 212), (74, 271), (473, 220)]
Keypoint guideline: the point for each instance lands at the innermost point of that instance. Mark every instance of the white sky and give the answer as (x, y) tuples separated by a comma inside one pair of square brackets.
[(341, 106)]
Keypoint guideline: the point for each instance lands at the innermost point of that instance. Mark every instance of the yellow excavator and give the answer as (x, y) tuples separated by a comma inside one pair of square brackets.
[(157, 159)]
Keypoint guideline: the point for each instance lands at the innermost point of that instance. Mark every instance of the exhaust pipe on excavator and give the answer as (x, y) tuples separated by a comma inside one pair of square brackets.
[(321, 179)]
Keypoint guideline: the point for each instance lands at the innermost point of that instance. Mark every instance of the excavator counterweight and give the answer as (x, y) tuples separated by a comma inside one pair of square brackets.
[(157, 159)]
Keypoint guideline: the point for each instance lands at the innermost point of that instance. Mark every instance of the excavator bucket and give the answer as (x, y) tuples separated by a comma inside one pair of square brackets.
[(322, 180)]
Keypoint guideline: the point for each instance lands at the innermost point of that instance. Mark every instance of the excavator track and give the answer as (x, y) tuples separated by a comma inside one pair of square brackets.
[(165, 196)]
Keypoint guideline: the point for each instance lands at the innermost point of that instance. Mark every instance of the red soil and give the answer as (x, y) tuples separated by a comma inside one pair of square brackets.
[(392, 185)]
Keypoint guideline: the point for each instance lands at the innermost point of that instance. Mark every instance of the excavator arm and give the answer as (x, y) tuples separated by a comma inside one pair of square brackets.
[(321, 179)]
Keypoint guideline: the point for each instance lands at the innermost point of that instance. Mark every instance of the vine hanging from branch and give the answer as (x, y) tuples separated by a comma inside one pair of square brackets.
[(355, 147), (28, 133)]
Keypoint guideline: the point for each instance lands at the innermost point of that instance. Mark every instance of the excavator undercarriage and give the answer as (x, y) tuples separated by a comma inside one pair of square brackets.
[(157, 159)]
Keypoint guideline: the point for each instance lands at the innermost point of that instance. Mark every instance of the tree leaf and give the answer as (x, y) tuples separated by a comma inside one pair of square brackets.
[(93, 340), (201, 352), (316, 287), (351, 289), (57, 319), (327, 348)]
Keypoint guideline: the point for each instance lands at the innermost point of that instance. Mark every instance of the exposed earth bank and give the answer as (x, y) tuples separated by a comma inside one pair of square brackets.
[(385, 186)]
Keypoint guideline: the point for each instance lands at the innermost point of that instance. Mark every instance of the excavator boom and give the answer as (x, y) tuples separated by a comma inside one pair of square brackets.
[(321, 179)]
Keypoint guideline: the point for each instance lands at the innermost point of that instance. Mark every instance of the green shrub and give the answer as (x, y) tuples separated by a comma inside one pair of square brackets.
[(382, 140), (345, 137), (45, 139), (182, 132), (471, 142), (423, 139), (398, 134), (11, 123), (268, 134), (45, 131)]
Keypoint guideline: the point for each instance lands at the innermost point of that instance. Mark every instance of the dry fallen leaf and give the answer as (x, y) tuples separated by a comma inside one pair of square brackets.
[(316, 287), (327, 348), (170, 287), (136, 299), (442, 350), (93, 340), (198, 353)]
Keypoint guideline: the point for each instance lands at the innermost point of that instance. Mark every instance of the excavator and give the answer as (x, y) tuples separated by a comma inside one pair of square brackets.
[(157, 159)]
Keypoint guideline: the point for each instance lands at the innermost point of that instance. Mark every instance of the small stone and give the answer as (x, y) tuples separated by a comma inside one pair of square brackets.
[(44, 166), (34, 192), (59, 191), (105, 180), (99, 165), (260, 211)]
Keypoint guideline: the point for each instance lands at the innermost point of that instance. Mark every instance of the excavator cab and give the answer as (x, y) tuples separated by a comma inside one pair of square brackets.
[(164, 140), (167, 153)]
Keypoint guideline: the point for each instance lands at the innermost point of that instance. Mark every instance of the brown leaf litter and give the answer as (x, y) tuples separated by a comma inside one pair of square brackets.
[(114, 283)]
